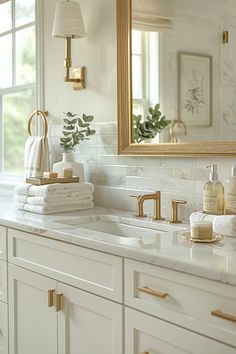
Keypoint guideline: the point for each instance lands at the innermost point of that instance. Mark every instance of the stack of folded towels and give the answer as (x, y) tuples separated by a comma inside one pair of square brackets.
[(54, 198)]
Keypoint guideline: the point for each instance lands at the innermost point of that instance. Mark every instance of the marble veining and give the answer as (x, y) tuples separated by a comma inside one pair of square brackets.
[(167, 249)]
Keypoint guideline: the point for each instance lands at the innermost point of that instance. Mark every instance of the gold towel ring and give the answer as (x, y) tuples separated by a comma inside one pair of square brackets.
[(42, 115)]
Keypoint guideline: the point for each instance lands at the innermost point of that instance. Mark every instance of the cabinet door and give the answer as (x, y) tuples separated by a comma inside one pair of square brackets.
[(32, 324), (148, 335), (3, 329), (88, 324)]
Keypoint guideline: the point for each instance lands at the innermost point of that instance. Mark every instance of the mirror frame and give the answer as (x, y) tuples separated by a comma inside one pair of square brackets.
[(124, 97)]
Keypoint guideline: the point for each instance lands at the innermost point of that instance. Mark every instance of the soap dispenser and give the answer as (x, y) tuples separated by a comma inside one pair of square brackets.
[(230, 193), (213, 194)]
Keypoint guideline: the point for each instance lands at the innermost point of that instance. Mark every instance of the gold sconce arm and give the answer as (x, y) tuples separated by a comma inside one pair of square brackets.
[(78, 79)]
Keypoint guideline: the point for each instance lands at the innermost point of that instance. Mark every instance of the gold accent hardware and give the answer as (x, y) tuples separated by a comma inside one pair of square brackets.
[(43, 115), (156, 293), (144, 353), (179, 124), (59, 302), (51, 297), (157, 204), (225, 37), (78, 78), (223, 315), (175, 211)]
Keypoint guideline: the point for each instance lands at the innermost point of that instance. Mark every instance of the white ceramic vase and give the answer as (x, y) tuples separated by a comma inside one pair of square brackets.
[(69, 162)]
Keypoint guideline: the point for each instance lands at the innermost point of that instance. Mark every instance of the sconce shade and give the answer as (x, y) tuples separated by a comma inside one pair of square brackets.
[(68, 21)]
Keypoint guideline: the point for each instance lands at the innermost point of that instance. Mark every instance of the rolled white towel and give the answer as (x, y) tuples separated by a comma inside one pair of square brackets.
[(53, 189), (55, 200), (39, 209), (222, 224)]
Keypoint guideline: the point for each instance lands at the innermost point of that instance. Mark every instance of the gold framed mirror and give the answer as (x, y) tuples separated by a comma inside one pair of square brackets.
[(126, 143)]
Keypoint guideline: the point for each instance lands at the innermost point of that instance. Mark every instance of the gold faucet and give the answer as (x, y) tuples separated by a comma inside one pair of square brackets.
[(175, 211), (157, 204)]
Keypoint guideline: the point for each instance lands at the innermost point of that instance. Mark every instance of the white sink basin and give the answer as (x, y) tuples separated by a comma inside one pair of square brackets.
[(120, 226)]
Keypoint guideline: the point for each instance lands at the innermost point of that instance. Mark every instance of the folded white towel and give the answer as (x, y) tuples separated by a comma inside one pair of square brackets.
[(54, 200), (53, 189), (36, 156), (52, 210), (222, 224)]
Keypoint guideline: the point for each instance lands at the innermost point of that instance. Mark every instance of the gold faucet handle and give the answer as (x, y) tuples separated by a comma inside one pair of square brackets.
[(135, 196), (179, 201), (175, 211)]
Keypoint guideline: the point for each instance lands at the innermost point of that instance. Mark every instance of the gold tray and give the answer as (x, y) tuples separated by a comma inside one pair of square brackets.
[(40, 181), (216, 238)]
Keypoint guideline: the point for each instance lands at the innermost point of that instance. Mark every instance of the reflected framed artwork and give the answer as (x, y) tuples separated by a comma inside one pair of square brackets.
[(195, 94)]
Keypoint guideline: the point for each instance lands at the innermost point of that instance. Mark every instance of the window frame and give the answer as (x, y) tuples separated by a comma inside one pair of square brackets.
[(145, 55), (38, 85)]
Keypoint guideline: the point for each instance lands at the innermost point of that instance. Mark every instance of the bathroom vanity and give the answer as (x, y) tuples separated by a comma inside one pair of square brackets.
[(67, 288)]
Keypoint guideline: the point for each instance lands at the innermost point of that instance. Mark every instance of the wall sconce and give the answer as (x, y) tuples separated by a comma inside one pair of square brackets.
[(68, 23)]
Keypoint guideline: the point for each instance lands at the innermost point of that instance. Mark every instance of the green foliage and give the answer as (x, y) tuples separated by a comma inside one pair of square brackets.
[(153, 124), (75, 130)]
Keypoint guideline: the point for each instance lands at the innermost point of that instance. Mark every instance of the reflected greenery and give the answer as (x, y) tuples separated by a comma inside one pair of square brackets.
[(16, 110)]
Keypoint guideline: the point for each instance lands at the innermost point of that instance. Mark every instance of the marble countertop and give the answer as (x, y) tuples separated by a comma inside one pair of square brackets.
[(168, 249)]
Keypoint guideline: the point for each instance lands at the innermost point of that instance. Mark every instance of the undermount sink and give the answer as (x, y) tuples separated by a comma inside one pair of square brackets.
[(120, 226)]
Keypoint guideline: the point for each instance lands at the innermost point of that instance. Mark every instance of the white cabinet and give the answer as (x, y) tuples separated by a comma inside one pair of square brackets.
[(88, 324), (32, 324), (84, 323), (84, 289), (148, 335)]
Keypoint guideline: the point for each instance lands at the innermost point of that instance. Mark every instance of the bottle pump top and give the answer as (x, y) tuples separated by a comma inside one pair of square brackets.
[(234, 171), (213, 172)]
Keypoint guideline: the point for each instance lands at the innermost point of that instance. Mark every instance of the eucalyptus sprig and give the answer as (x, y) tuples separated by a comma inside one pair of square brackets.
[(148, 128), (75, 130)]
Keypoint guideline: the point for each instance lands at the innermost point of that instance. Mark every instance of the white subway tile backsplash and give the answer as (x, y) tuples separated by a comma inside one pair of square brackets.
[(162, 184)]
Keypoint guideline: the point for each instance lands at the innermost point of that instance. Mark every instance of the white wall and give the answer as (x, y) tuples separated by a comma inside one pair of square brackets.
[(177, 177)]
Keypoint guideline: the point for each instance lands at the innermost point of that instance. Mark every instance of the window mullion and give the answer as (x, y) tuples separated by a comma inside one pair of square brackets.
[(1, 137), (13, 44)]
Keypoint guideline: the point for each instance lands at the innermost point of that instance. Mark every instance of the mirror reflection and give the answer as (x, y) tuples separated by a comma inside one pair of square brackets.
[(183, 71)]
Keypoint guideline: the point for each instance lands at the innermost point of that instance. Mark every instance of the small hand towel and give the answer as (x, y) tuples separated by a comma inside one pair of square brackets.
[(53, 189), (36, 156), (52, 202), (222, 224), (39, 209)]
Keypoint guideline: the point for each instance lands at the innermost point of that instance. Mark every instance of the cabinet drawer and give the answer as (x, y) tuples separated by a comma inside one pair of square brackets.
[(3, 329), (145, 334), (90, 270), (182, 299), (3, 238)]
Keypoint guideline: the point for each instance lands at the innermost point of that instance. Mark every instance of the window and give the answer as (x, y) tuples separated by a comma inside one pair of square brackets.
[(145, 70), (17, 80)]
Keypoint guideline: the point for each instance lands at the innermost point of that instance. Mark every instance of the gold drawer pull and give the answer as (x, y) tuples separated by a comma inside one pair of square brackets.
[(223, 315), (51, 295), (144, 353), (156, 293)]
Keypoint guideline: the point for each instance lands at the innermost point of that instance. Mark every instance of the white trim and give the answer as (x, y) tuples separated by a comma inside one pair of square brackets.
[(1, 137), (40, 54), (39, 85)]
